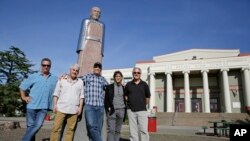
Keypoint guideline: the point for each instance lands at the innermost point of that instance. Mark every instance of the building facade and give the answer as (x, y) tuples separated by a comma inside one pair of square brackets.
[(196, 80)]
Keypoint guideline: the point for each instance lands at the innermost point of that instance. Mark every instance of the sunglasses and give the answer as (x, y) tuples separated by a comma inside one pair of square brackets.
[(44, 65), (136, 72)]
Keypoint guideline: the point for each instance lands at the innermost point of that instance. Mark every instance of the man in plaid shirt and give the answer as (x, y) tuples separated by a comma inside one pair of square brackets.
[(94, 86)]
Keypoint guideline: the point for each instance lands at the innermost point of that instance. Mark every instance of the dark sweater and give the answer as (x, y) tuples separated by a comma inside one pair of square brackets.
[(137, 94)]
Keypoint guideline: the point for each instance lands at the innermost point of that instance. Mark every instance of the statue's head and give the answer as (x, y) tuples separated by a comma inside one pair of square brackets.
[(95, 13)]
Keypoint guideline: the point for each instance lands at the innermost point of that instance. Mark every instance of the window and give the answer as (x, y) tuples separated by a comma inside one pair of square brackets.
[(214, 105)]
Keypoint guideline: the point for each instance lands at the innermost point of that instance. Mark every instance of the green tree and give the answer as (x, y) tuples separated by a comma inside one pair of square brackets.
[(14, 67), (10, 101)]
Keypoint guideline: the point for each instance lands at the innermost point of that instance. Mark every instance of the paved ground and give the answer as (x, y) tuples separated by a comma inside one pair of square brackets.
[(164, 133)]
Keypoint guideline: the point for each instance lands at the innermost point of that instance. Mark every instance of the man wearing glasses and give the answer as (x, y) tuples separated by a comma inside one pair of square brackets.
[(39, 100), (137, 95)]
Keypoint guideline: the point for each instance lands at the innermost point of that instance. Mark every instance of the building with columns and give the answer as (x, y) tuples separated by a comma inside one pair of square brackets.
[(196, 80)]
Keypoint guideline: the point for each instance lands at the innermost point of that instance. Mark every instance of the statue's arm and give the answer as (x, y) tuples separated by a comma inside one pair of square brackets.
[(82, 34)]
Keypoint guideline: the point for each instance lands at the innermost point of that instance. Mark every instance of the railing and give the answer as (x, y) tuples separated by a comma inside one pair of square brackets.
[(174, 116)]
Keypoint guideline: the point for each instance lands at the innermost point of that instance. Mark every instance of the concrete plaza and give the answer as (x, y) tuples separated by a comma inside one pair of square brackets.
[(164, 133)]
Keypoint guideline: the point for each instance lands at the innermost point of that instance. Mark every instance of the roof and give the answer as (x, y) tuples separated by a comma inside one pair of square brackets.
[(193, 54)]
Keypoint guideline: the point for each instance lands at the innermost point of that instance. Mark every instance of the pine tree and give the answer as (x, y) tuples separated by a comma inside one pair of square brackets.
[(14, 67)]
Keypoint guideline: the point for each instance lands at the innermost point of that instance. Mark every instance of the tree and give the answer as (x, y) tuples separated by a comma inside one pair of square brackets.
[(14, 67), (10, 101)]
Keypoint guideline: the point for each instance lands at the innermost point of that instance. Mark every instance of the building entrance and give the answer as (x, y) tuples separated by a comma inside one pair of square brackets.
[(179, 105), (196, 105)]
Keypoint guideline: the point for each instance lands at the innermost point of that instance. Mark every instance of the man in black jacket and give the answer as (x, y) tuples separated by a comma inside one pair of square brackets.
[(115, 107)]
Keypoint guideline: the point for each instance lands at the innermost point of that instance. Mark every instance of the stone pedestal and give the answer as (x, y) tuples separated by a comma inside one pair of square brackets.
[(81, 130)]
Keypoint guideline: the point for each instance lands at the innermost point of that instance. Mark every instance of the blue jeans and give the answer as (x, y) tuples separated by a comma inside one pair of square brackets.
[(34, 121), (94, 121)]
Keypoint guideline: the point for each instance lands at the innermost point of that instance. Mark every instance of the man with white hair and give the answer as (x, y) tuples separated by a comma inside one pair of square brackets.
[(68, 104), (137, 95)]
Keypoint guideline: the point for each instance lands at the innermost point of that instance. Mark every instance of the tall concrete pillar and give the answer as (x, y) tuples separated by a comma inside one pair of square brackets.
[(206, 96), (169, 88), (187, 92), (227, 98), (246, 86), (152, 90), (90, 50)]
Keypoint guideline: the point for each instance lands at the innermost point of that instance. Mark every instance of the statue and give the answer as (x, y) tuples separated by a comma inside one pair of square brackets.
[(90, 44), (90, 50)]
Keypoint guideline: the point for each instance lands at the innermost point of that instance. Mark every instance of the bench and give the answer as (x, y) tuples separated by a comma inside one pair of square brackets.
[(204, 129), (215, 126), (223, 131)]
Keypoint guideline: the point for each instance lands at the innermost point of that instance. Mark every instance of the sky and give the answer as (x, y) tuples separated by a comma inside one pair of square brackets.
[(135, 30)]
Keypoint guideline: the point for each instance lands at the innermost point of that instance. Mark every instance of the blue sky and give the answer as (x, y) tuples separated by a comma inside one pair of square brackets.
[(135, 29)]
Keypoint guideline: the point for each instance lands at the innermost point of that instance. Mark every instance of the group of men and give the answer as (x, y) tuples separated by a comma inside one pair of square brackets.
[(69, 94)]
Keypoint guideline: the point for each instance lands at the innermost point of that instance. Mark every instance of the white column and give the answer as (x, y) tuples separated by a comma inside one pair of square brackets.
[(206, 91), (152, 90), (169, 92), (227, 98), (187, 92), (246, 86)]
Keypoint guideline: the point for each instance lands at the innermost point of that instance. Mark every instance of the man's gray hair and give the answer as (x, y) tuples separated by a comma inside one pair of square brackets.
[(136, 68), (75, 66)]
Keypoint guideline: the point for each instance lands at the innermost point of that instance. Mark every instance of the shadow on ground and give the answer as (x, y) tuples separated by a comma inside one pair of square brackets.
[(122, 139), (46, 139)]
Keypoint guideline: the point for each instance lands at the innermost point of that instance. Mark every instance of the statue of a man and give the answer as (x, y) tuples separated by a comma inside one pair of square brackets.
[(90, 44), (90, 50)]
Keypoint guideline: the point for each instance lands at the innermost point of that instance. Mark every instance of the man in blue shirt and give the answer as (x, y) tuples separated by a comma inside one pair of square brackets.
[(94, 85), (39, 100)]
